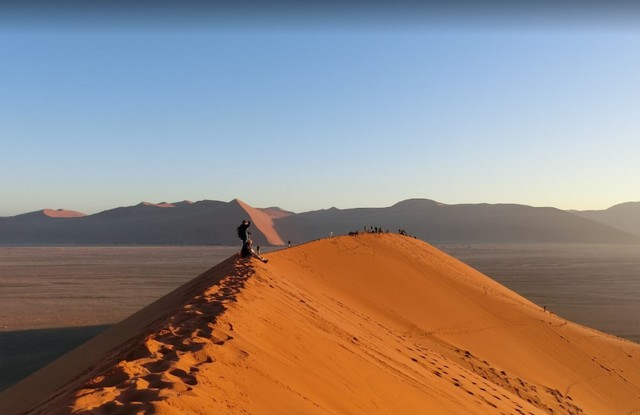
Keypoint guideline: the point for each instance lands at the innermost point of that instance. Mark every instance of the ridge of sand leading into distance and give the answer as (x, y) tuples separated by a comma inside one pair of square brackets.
[(372, 324)]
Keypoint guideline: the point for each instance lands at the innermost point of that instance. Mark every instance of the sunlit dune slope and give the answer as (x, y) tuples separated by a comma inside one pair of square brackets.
[(372, 324)]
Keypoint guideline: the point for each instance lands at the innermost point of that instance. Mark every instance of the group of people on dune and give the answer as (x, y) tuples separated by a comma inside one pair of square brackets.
[(247, 244)]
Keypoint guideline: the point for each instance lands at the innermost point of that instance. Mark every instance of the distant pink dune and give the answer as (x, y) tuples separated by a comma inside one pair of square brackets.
[(161, 204), (263, 220), (62, 213)]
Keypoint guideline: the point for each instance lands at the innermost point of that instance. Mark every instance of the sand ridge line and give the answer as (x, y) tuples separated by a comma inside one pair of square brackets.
[(167, 362)]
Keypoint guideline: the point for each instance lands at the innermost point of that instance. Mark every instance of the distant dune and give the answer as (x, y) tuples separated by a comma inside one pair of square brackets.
[(211, 222), (371, 324), (61, 213), (49, 213), (263, 220)]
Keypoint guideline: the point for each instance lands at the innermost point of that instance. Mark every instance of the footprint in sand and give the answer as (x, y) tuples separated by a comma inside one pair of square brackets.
[(144, 395), (187, 378), (156, 381), (112, 378), (159, 366)]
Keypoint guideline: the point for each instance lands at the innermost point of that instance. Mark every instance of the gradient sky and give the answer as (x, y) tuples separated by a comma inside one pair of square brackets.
[(310, 116)]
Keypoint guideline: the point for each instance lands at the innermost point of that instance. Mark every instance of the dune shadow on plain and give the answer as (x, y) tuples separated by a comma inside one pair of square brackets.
[(23, 352)]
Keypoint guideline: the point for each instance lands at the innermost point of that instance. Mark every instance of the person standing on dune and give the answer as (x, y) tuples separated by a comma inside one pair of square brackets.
[(243, 231)]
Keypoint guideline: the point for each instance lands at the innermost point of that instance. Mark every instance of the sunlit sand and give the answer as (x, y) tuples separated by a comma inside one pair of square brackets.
[(369, 324)]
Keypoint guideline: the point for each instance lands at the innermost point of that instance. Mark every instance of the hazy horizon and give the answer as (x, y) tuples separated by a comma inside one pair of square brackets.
[(134, 203), (303, 109)]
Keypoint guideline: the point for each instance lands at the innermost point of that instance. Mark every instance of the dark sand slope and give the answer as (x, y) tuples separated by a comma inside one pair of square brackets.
[(22, 352), (371, 324)]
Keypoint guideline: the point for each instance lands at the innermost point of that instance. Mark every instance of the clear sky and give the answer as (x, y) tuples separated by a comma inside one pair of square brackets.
[(307, 115)]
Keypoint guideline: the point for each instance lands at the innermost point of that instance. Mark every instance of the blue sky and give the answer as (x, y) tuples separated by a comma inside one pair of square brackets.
[(309, 117)]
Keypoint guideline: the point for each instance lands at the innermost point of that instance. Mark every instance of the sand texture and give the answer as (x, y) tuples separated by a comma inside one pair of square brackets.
[(372, 324)]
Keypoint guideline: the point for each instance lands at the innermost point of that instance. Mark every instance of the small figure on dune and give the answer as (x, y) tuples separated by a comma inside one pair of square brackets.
[(247, 251), (243, 231)]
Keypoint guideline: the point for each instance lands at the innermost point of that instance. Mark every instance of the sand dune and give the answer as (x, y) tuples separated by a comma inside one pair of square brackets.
[(61, 213), (263, 220), (160, 205), (373, 324)]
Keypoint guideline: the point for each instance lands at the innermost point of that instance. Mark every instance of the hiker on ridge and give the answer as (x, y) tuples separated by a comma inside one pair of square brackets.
[(243, 231)]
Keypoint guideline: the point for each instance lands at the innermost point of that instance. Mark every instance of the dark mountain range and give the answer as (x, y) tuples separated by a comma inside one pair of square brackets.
[(214, 222), (437, 222), (204, 222), (625, 216)]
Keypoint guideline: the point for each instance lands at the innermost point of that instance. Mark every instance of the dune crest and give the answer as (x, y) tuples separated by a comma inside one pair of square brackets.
[(379, 324)]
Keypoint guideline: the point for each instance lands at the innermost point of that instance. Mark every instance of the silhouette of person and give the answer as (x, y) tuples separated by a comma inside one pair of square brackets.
[(243, 231)]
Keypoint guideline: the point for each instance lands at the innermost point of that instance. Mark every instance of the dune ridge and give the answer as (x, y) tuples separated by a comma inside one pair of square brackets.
[(263, 220), (379, 324)]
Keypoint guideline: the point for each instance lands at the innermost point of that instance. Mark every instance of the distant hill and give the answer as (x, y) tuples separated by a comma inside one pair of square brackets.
[(204, 222), (214, 222), (438, 222), (625, 216)]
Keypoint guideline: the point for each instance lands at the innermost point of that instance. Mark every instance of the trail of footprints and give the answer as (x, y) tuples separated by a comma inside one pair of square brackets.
[(497, 388), (167, 362), (490, 386)]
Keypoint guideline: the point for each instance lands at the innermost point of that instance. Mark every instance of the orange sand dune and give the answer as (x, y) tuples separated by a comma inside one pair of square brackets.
[(372, 324), (263, 220), (62, 213)]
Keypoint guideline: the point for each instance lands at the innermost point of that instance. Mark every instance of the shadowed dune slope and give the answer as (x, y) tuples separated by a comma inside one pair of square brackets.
[(373, 324), (263, 220)]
